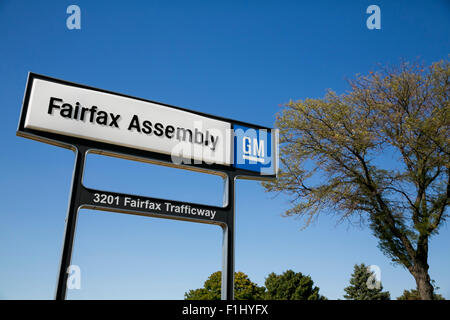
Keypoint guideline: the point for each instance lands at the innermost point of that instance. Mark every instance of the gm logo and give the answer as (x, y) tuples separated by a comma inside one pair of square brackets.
[(254, 150), (254, 154)]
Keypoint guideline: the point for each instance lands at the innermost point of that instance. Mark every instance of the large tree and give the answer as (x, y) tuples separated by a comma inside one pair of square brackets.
[(244, 288), (291, 285), (364, 285), (380, 153)]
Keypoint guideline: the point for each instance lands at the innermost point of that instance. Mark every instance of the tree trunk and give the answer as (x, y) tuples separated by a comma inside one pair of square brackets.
[(423, 281)]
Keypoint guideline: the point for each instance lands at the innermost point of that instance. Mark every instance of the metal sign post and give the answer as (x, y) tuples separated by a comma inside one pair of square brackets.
[(82, 197), (49, 115), (228, 241), (71, 223)]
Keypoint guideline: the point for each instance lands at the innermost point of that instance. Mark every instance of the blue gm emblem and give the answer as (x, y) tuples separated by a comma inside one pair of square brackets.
[(254, 150)]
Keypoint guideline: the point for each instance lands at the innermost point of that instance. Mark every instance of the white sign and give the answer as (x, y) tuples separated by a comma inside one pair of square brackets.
[(124, 121)]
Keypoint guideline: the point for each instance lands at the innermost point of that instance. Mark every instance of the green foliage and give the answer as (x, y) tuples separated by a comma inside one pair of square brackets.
[(244, 289), (287, 286), (359, 289), (378, 155), (414, 295), (291, 286)]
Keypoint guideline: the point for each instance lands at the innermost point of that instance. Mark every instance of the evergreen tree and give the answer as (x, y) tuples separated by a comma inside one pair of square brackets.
[(363, 285)]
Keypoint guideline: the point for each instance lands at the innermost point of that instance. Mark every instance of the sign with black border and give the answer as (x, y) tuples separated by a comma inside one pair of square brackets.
[(89, 120), (233, 146)]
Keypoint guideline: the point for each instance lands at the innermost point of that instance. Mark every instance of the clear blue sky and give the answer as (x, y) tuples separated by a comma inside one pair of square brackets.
[(236, 59)]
